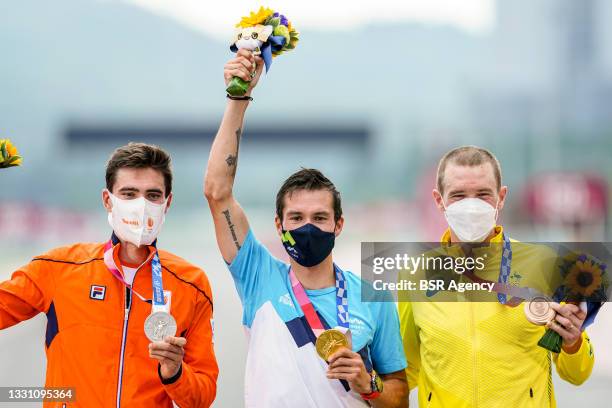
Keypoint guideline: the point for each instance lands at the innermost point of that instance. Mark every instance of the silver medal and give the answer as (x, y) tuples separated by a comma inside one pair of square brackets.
[(159, 325)]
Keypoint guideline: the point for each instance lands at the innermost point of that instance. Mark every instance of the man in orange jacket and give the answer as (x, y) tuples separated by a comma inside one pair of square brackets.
[(128, 324)]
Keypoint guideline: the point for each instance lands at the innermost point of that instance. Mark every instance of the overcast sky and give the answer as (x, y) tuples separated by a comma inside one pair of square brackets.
[(218, 17)]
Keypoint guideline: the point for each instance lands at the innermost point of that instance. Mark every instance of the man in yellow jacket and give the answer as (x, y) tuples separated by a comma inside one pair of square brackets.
[(485, 354)]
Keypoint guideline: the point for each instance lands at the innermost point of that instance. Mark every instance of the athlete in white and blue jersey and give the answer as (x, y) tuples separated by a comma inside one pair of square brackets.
[(287, 306)]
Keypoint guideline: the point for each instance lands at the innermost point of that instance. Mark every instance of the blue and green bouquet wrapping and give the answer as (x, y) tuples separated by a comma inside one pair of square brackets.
[(266, 33), (584, 281)]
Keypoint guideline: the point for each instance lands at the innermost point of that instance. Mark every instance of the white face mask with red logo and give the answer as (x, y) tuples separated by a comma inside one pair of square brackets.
[(138, 221)]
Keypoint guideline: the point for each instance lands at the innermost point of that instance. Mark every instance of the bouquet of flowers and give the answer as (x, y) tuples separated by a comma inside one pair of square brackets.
[(266, 33), (584, 279), (9, 156)]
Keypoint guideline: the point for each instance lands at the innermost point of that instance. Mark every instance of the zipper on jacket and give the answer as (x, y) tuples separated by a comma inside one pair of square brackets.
[(126, 317), (474, 354)]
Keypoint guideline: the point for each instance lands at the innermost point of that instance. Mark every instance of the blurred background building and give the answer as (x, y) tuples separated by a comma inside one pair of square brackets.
[(373, 105)]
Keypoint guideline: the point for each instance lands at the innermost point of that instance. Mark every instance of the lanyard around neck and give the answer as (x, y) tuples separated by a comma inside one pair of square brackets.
[(342, 311), (156, 276)]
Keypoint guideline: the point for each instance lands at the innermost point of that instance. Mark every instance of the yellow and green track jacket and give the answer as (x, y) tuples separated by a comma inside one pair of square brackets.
[(483, 354)]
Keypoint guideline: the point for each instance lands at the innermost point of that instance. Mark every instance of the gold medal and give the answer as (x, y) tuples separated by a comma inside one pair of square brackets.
[(539, 311), (329, 342)]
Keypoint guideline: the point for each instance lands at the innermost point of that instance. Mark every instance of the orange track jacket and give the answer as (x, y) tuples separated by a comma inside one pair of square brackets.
[(95, 340)]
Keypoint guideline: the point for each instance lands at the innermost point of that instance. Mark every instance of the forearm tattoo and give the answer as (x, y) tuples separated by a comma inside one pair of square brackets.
[(231, 226), (232, 159)]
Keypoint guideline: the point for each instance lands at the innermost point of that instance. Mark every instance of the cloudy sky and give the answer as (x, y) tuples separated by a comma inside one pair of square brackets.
[(218, 17)]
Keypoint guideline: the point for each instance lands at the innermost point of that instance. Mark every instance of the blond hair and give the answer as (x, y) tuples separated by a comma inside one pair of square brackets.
[(468, 156)]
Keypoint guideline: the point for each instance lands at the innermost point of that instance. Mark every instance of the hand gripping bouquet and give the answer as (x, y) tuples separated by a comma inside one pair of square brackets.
[(585, 282), (266, 33)]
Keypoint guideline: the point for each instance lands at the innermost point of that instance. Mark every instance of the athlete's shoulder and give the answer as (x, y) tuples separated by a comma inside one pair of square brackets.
[(77, 254), (184, 270), (532, 249), (366, 292), (353, 278)]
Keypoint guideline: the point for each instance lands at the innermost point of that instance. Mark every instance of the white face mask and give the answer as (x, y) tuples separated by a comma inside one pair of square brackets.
[(138, 221), (471, 219)]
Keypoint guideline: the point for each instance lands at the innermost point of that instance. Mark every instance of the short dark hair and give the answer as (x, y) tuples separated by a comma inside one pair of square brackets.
[(139, 156), (308, 179), (468, 156)]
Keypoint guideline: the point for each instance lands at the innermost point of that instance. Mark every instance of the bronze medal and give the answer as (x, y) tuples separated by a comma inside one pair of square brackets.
[(539, 311)]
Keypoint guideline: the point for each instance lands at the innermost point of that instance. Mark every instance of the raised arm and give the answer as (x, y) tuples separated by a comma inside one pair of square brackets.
[(231, 225)]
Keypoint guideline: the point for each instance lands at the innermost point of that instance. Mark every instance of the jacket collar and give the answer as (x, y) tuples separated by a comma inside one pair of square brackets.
[(497, 238)]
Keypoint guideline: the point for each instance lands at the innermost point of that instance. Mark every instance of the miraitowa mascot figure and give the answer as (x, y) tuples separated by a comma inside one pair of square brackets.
[(265, 33)]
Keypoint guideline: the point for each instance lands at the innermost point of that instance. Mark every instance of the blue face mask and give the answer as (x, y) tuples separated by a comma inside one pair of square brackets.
[(308, 245)]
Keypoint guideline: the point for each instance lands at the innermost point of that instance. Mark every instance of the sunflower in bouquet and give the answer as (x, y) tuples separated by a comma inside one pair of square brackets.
[(9, 156), (584, 280)]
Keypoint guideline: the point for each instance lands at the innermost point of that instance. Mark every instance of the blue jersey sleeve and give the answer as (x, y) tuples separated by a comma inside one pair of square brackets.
[(387, 351), (251, 269)]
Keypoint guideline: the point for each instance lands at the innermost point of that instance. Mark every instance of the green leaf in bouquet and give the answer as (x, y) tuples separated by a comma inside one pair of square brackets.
[(284, 31), (551, 341), (274, 22), (3, 150), (12, 160), (294, 38)]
